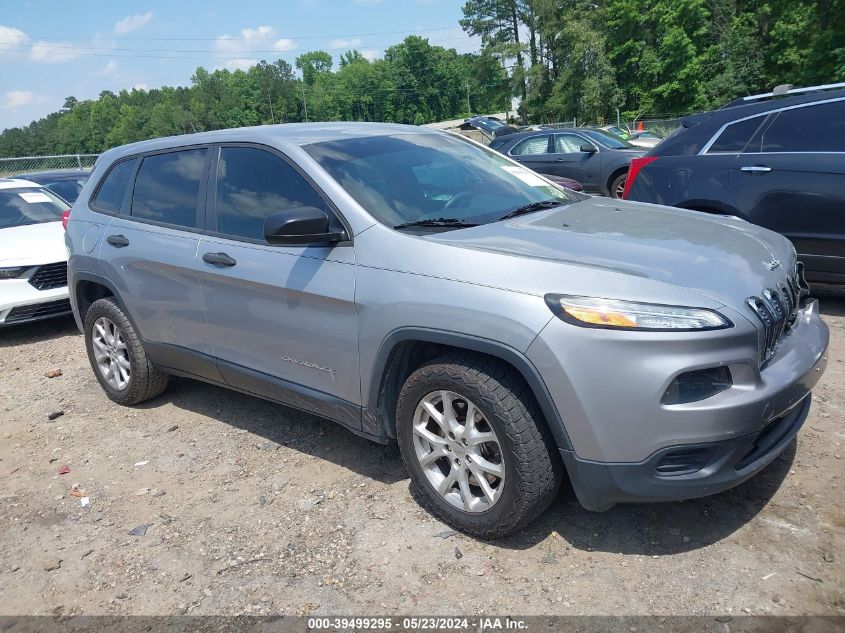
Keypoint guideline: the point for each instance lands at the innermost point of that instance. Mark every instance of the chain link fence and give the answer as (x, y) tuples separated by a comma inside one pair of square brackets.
[(661, 127), (27, 164)]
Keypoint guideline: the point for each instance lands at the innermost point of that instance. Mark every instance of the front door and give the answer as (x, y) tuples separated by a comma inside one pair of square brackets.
[(571, 162), (281, 319)]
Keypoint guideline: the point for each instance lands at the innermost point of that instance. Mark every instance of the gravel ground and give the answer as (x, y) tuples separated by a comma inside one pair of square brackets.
[(205, 501)]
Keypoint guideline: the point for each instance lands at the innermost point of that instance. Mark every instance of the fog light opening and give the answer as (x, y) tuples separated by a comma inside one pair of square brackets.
[(693, 386)]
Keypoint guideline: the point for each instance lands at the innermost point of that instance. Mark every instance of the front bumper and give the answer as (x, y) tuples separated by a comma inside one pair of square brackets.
[(726, 464), (607, 386), (20, 302)]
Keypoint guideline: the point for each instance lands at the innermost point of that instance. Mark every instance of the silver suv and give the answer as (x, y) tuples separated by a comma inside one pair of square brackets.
[(417, 287)]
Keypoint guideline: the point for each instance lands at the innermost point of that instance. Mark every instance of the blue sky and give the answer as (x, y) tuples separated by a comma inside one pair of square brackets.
[(51, 50)]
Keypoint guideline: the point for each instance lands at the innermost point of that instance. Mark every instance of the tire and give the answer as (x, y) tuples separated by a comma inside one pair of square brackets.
[(617, 186), (143, 380), (532, 470)]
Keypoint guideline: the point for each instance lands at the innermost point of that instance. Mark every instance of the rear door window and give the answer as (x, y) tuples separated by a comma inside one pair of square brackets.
[(109, 196), (253, 184), (533, 145), (167, 187), (816, 128), (735, 137)]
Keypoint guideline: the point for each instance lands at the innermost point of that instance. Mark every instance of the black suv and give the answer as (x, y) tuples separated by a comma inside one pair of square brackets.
[(776, 159)]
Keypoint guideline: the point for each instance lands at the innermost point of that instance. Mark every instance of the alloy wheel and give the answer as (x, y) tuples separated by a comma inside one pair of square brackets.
[(110, 353), (459, 451)]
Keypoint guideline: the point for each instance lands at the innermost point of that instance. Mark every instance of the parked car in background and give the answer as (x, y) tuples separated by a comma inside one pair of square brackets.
[(566, 183), (67, 183), (774, 160), (595, 158), (639, 138), (490, 126), (33, 257), (418, 287)]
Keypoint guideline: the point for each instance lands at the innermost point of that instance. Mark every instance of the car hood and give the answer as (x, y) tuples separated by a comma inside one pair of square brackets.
[(723, 258), (33, 244)]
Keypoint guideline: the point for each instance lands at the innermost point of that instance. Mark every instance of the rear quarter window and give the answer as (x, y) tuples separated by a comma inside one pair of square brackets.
[(112, 189), (736, 136)]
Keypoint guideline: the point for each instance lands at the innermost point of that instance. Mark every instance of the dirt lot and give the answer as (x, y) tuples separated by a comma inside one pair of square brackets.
[(253, 508)]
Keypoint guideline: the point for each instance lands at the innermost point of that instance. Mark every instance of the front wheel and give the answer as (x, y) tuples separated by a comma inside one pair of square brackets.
[(617, 187), (476, 446)]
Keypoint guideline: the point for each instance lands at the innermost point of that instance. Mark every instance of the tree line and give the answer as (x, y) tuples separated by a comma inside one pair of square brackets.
[(414, 82), (585, 59), (564, 59)]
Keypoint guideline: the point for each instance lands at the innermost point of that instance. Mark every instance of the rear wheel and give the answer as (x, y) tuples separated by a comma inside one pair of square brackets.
[(475, 444), (117, 356)]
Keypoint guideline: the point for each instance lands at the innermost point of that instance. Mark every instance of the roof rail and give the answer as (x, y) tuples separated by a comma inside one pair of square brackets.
[(787, 89)]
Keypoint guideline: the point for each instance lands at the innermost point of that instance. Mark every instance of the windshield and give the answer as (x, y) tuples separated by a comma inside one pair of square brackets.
[(608, 140), (27, 205), (407, 178)]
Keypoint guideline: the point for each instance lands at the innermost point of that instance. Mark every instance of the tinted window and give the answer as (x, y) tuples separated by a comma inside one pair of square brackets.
[(568, 143), (818, 128), (734, 138), (167, 187), (29, 206), (533, 145), (253, 184), (110, 194)]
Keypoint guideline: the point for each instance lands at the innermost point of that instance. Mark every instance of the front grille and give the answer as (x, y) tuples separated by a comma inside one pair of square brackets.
[(777, 309), (38, 311), (50, 276)]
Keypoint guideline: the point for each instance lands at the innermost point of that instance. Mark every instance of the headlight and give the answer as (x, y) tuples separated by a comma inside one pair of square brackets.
[(12, 272), (629, 315)]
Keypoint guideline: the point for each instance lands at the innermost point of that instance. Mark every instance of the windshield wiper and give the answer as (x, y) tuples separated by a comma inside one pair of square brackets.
[(449, 222), (531, 208)]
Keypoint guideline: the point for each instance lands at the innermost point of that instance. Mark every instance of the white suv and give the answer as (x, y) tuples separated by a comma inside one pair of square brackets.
[(33, 256)]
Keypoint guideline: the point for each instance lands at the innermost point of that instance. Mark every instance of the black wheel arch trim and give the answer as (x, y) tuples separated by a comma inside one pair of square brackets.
[(475, 344), (102, 281)]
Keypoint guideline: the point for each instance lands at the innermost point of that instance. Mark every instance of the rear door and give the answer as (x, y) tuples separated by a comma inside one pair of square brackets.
[(281, 319), (790, 179), (150, 246), (535, 153)]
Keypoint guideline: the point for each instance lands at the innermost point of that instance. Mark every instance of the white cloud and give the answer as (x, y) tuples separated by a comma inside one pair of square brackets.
[(367, 1), (14, 99), (133, 22), (239, 64), (353, 43), (142, 86), (109, 69), (249, 39), (54, 52), (284, 45), (369, 54), (260, 38), (11, 37)]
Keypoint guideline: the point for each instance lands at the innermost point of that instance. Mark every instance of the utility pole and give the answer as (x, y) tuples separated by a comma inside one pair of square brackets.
[(469, 107), (304, 103)]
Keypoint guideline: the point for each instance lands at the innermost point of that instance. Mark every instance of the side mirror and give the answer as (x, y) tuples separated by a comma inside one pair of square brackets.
[(589, 149), (301, 225)]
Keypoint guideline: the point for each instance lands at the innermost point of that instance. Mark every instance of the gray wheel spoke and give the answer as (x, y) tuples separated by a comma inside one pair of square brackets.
[(447, 483), (433, 456), (431, 438), (497, 470)]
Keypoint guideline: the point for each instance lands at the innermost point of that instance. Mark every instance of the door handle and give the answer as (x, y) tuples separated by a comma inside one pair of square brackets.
[(219, 259), (560, 160), (756, 169), (118, 241)]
